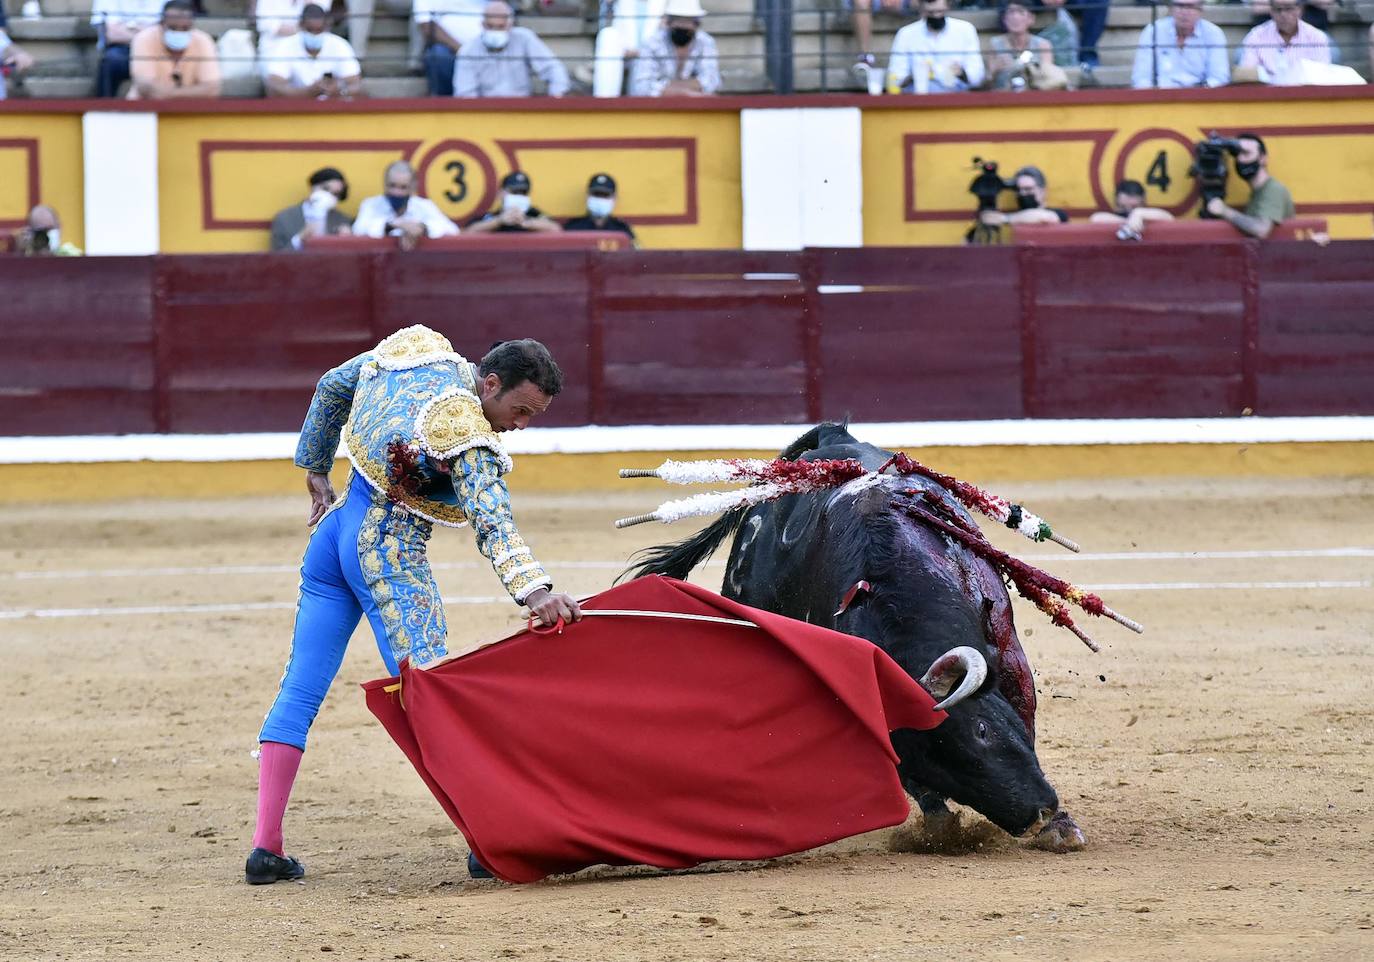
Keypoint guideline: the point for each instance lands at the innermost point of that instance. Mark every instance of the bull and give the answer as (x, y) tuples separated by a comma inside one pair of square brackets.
[(851, 560)]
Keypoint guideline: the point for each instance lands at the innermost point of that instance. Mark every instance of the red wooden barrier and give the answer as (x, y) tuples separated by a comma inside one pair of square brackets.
[(1077, 234), (212, 343)]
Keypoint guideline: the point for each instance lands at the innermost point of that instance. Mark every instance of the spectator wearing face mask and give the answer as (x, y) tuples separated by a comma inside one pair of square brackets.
[(41, 236), (936, 54), (502, 62), (680, 59), (399, 213), (516, 214), (1031, 192), (317, 216), (313, 62), (600, 203), (173, 59)]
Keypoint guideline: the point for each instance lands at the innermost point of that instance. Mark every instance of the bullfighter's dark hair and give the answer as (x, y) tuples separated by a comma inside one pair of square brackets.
[(515, 362)]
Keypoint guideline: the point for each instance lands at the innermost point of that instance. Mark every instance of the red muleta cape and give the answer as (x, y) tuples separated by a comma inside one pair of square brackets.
[(657, 741)]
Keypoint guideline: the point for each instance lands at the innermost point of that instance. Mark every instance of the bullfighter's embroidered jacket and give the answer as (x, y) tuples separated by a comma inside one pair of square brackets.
[(414, 429)]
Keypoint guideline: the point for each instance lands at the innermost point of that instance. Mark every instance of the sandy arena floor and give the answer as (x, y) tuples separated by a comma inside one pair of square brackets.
[(1221, 764)]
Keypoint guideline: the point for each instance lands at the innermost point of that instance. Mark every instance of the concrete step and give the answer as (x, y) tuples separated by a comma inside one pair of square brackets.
[(66, 88), (378, 87)]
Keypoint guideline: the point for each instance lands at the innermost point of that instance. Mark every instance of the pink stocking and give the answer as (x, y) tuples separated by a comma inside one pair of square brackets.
[(276, 774)]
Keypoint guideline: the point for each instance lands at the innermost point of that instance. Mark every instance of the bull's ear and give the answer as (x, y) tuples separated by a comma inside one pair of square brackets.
[(955, 676)]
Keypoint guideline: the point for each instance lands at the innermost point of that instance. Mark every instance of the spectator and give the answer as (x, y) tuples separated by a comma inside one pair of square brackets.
[(1016, 48), (1062, 34), (861, 14), (116, 22), (173, 59), (680, 58), (1181, 50), (501, 64), (275, 21), (13, 58), (1314, 12), (446, 26), (631, 24), (1130, 211), (317, 216), (516, 215), (1277, 47), (399, 213), (41, 236), (600, 203), (1031, 191), (313, 62), (1270, 202), (936, 54)]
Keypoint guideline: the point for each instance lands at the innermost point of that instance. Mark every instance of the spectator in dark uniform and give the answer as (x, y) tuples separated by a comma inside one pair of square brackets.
[(516, 214), (600, 203)]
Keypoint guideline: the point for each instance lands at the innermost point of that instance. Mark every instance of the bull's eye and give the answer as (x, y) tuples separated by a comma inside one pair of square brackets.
[(983, 730)]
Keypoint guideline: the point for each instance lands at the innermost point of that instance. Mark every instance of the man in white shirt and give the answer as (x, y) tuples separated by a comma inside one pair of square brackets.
[(313, 62), (936, 54), (117, 21), (399, 213), (446, 25)]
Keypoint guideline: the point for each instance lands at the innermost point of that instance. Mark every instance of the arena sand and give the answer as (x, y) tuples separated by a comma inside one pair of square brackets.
[(1220, 764)]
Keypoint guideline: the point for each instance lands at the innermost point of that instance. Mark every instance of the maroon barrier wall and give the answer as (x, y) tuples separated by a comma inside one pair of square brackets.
[(211, 343)]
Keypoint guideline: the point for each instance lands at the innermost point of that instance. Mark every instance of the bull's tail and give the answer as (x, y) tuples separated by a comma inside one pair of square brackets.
[(677, 560)]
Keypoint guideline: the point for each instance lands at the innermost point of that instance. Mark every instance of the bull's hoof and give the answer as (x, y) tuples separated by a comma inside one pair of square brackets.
[(1061, 835)]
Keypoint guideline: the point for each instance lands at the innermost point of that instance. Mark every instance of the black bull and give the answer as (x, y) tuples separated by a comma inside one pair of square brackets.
[(801, 555)]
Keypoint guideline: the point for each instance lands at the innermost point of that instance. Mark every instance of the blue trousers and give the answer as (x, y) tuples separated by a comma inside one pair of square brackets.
[(350, 571), (113, 69), (439, 70)]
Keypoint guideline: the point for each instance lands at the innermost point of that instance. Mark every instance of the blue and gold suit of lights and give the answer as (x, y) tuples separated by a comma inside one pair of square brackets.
[(422, 454)]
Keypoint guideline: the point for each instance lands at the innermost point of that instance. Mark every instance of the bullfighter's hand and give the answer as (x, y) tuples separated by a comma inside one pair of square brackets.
[(321, 495), (549, 607)]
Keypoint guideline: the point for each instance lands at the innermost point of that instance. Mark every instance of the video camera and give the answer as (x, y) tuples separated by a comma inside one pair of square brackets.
[(1210, 167), (986, 187), (988, 184)]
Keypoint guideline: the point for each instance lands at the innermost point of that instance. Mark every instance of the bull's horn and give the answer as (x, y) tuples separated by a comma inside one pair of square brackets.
[(939, 678)]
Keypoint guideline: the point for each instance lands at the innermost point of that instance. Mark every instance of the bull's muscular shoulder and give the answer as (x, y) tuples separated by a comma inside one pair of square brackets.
[(452, 423)]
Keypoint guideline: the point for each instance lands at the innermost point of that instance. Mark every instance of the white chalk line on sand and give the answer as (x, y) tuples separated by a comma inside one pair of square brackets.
[(13, 614), (277, 569)]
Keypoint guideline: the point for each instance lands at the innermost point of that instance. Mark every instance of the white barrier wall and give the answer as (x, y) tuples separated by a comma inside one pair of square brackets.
[(120, 152)]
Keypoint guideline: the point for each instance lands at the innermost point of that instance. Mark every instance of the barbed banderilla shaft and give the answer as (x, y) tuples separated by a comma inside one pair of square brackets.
[(997, 508), (1031, 582)]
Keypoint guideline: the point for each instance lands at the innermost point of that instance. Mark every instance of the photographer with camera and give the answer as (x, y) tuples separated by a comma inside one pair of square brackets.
[(1130, 211), (1270, 202), (41, 236), (1031, 190)]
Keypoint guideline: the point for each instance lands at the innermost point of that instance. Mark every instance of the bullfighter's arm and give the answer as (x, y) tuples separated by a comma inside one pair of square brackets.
[(484, 498), (328, 412)]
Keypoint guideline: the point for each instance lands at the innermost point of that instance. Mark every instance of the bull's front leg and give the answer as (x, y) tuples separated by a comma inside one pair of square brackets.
[(1061, 835)]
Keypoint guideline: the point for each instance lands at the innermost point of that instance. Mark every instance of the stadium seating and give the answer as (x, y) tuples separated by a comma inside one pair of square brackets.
[(64, 44)]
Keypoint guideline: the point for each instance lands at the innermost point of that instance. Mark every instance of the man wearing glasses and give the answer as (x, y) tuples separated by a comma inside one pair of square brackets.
[(1181, 50), (1277, 47)]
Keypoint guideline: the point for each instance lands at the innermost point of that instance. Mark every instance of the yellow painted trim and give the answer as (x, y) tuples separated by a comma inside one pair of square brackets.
[(551, 473)]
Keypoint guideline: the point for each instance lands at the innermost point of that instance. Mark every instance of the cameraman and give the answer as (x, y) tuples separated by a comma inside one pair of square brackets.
[(1270, 202), (1031, 190), (42, 236)]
